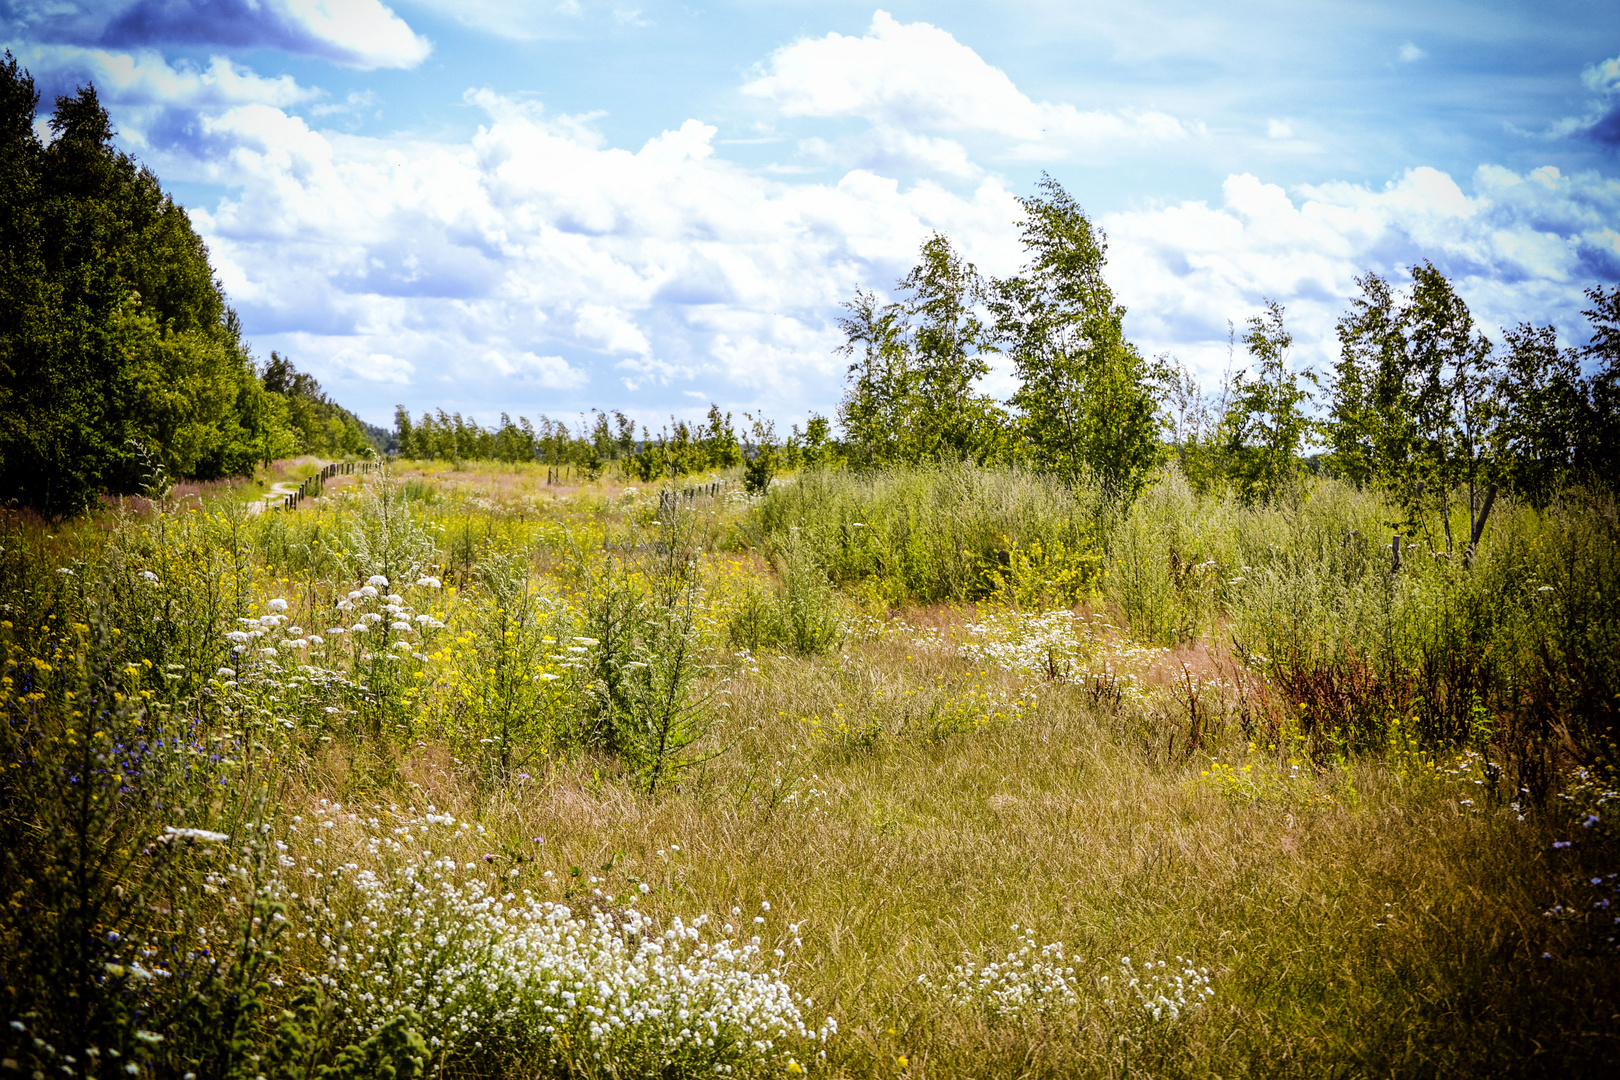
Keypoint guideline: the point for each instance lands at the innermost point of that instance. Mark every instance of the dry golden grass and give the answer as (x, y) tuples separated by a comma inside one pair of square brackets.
[(1356, 923)]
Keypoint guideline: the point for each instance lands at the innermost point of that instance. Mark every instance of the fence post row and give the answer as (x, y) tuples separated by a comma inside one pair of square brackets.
[(314, 485)]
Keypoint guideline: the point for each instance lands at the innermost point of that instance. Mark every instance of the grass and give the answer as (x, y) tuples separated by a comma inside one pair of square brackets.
[(955, 780)]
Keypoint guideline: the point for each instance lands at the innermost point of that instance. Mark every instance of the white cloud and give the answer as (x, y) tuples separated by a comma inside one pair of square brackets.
[(550, 371), (1519, 248), (1279, 129), (535, 267), (534, 256), (367, 30), (372, 367), (1603, 78), (1410, 52), (916, 77), (145, 77)]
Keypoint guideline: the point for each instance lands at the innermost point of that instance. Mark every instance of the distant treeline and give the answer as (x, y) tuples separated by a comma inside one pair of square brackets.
[(120, 361), (1419, 404), (608, 440)]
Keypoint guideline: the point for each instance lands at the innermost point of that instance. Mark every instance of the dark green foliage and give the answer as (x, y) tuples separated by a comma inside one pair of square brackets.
[(318, 424), (1543, 417), (760, 467), (116, 345), (1423, 406)]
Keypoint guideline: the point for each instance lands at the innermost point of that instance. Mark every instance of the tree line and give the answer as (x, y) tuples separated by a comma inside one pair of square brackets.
[(607, 441), (120, 360), (1420, 402)]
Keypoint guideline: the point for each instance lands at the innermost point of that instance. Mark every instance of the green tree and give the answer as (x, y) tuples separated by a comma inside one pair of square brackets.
[(1265, 423), (1599, 459), (117, 348), (1544, 414), (1086, 403), (912, 393), (317, 424), (1413, 396)]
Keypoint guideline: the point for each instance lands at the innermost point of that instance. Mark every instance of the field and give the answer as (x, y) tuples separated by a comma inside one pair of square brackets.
[(927, 773)]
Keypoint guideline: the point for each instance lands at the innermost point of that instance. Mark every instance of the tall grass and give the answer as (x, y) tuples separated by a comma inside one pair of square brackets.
[(552, 811), (1516, 651), (937, 533)]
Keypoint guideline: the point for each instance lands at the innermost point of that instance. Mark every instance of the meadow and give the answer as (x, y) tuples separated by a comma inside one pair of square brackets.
[(925, 772)]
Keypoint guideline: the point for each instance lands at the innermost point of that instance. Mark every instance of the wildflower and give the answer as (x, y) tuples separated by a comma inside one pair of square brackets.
[(195, 834), (278, 604), (377, 580), (428, 582)]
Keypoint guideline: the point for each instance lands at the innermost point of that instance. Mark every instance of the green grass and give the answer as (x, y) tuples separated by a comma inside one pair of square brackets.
[(1370, 891)]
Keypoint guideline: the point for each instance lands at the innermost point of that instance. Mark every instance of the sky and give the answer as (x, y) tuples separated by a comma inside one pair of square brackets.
[(545, 207)]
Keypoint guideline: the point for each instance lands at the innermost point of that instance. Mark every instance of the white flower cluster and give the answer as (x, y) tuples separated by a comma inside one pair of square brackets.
[(268, 636), (1162, 993), (1060, 643), (1035, 978), (1032, 978), (406, 928), (370, 609)]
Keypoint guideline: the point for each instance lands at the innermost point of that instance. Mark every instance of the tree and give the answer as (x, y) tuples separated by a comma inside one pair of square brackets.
[(1264, 425), (117, 349), (912, 394), (1599, 455), (1413, 395), (1544, 414), (1086, 405)]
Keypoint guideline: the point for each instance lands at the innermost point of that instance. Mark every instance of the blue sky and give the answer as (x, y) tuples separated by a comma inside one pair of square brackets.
[(543, 207)]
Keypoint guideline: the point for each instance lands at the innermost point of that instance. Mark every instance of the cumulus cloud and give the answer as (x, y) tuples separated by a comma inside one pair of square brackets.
[(550, 371), (145, 77), (1410, 52), (914, 77), (359, 33), (535, 267), (534, 259), (1520, 247), (1603, 125), (372, 367)]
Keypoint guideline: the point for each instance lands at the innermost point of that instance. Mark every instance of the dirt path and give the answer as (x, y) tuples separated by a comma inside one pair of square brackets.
[(279, 490)]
